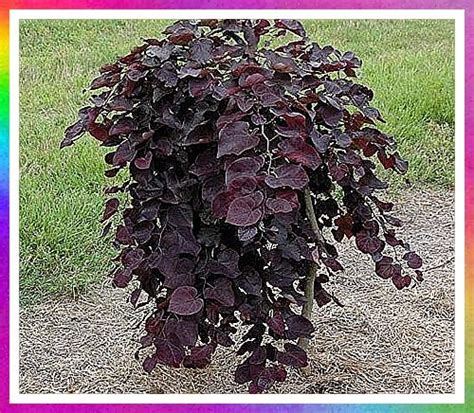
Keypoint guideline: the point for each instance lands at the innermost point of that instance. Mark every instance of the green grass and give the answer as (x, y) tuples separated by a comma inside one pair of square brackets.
[(408, 64)]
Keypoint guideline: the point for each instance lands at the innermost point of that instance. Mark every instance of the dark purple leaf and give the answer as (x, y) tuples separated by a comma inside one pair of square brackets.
[(288, 175), (330, 115), (367, 243), (72, 133), (132, 258), (124, 153), (294, 356), (181, 35), (226, 264), (204, 163), (386, 269), (277, 324), (320, 141), (123, 235), (144, 162), (149, 363), (243, 212), (185, 330), (246, 233), (122, 277), (250, 281), (292, 25), (200, 87), (199, 357), (258, 356), (279, 205), (280, 63), (221, 291), (235, 138), (277, 373), (169, 352), (111, 207), (242, 374), (162, 53), (413, 260), (322, 297), (143, 231), (185, 301), (168, 75), (201, 50), (105, 80), (123, 126), (298, 326)]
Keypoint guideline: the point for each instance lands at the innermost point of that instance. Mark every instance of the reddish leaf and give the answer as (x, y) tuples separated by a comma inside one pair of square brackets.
[(243, 167), (322, 297), (298, 151), (401, 281), (122, 277), (144, 162)]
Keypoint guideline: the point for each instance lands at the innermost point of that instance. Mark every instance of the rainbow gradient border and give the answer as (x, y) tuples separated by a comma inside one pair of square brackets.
[(466, 5)]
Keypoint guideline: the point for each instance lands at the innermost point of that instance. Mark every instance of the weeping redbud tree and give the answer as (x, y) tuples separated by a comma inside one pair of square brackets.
[(246, 165)]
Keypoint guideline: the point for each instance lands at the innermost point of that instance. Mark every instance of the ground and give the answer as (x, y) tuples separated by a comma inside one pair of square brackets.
[(381, 341)]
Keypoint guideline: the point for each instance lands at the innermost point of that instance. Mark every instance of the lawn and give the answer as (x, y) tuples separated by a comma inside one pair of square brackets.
[(408, 64)]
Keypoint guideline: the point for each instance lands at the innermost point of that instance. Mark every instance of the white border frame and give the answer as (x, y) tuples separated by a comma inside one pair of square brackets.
[(17, 397)]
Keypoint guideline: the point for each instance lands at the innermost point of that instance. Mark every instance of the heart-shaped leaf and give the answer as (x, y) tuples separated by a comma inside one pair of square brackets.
[(185, 301)]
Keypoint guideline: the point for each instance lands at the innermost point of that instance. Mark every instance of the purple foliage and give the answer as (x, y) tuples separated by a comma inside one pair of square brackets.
[(222, 136)]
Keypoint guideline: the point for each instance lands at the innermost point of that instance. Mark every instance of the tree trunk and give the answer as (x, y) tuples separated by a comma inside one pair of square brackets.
[(313, 268)]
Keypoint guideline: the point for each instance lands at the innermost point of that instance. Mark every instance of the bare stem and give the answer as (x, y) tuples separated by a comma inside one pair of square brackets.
[(313, 267), (268, 150)]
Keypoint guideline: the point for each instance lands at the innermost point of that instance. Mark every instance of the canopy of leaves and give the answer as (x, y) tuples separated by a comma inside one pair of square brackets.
[(222, 135)]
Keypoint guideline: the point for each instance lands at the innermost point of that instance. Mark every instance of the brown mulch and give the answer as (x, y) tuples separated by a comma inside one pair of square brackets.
[(381, 341)]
